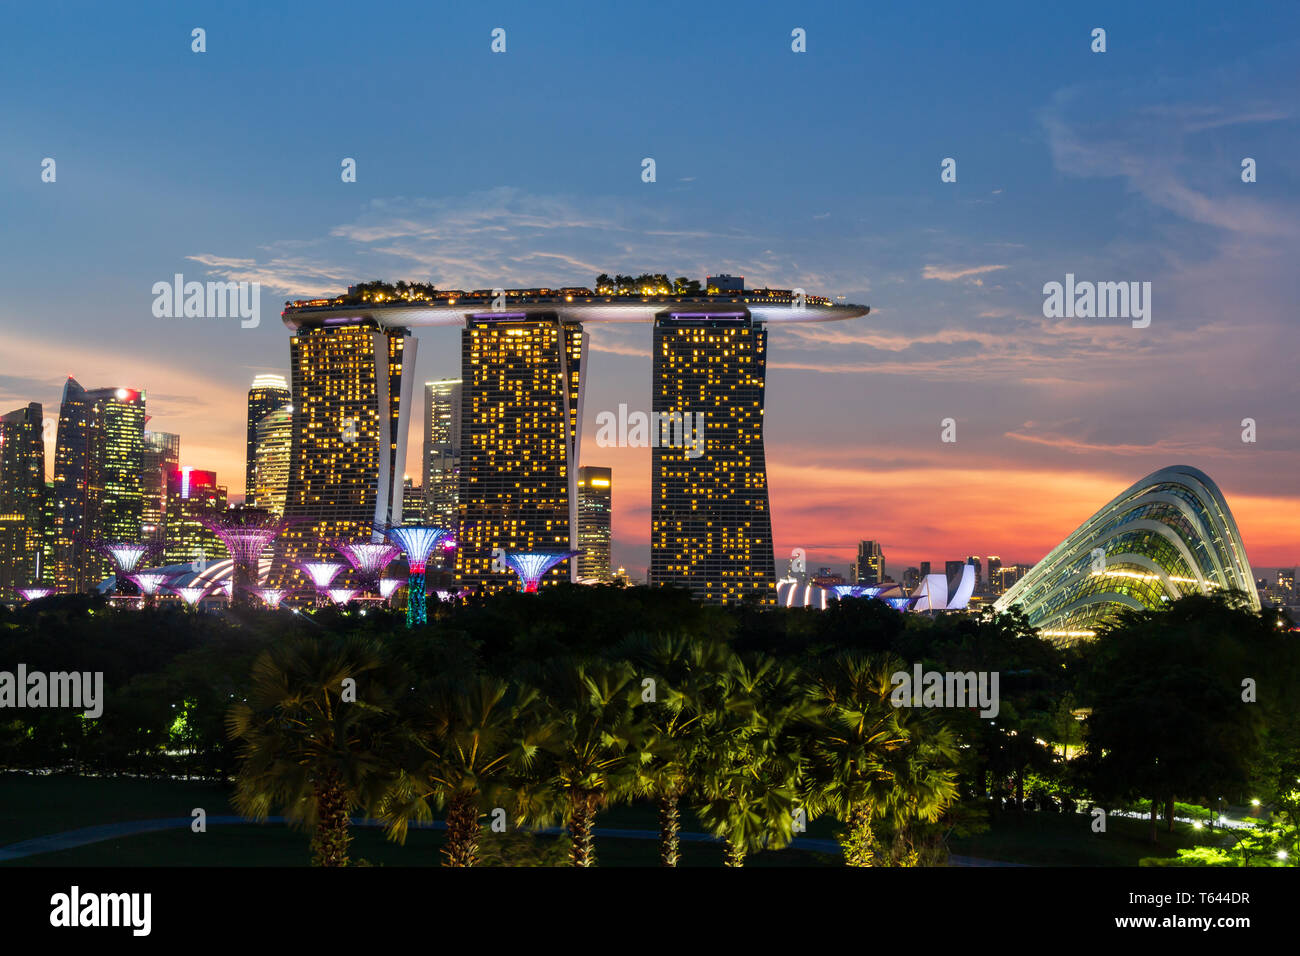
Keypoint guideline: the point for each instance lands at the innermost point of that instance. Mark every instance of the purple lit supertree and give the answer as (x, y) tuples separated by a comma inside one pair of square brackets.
[(341, 596), (417, 541), (245, 532), (271, 597), (532, 565), (368, 558), (191, 595), (127, 557), (387, 586), (322, 574), (34, 593), (150, 584)]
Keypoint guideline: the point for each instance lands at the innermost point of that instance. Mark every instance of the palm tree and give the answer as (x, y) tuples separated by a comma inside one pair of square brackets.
[(750, 765), (595, 741), (870, 761), (317, 730), (688, 674), (462, 745)]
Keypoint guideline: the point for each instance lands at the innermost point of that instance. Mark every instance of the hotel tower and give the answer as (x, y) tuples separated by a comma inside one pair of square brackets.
[(710, 526), (521, 417), (351, 385)]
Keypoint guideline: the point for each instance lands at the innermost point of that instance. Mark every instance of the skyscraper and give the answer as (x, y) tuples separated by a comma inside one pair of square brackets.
[(98, 460), (979, 578), (350, 384), (993, 581), (273, 453), (193, 494), (442, 431), (520, 423), (710, 526), (870, 565), (22, 497), (595, 499), (161, 456), (412, 502), (268, 393)]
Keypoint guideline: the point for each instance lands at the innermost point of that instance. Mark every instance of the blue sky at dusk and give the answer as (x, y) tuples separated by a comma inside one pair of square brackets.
[(817, 169)]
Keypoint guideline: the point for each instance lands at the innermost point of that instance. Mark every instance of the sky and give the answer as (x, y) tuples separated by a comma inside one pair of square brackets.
[(818, 169)]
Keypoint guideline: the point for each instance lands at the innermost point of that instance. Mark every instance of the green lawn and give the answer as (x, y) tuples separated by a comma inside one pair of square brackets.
[(32, 806), (1060, 839)]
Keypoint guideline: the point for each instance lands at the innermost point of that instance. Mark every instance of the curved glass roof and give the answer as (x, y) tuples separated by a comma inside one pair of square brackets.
[(1166, 536)]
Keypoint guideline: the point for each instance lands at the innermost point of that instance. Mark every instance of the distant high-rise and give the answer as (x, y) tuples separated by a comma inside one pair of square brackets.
[(710, 524), (979, 582), (595, 497), (1286, 580), (22, 497), (271, 468), (98, 460), (267, 394), (952, 571), (522, 380), (911, 578), (193, 494), (925, 569), (161, 456), (870, 565), (350, 384), (993, 581), (412, 502), (442, 431)]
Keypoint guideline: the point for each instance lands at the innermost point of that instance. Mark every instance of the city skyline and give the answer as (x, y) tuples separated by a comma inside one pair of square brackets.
[(1124, 166)]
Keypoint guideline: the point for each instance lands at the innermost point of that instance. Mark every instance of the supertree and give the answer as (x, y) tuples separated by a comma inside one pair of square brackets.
[(322, 574), (417, 541), (127, 557), (271, 597), (191, 595), (341, 596), (149, 584), (34, 593), (368, 559), (532, 565), (245, 532), (387, 586)]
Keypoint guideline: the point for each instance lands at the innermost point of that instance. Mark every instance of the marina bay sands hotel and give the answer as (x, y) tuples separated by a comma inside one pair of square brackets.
[(524, 363)]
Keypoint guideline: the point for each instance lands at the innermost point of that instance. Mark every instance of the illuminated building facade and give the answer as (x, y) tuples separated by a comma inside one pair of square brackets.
[(271, 467), (1168, 535), (521, 420), (351, 385), (711, 528), (22, 498), (193, 499), (267, 394), (161, 456), (442, 451), (97, 489), (870, 566), (595, 507)]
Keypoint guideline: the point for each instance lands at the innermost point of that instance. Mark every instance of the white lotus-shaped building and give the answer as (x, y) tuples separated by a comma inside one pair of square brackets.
[(1168, 535)]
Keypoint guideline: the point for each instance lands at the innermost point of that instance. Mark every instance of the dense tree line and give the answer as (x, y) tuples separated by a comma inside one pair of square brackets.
[(545, 709)]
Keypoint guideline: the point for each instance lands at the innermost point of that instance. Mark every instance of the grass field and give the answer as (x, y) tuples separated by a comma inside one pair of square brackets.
[(34, 806)]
